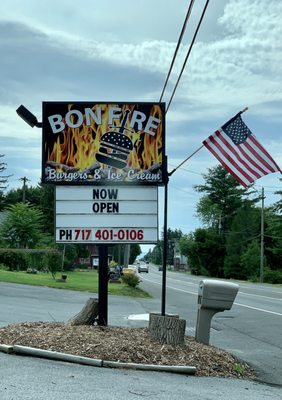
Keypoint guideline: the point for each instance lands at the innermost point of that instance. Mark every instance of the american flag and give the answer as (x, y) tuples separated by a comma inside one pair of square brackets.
[(237, 149)]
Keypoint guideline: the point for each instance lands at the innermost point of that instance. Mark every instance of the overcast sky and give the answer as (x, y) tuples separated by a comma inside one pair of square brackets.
[(121, 51)]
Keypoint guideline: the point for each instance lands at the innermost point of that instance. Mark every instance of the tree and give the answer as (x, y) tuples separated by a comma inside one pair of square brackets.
[(205, 251), (278, 205), (223, 196), (156, 255), (22, 226), (245, 228), (273, 239), (250, 260), (3, 183), (29, 194), (208, 212), (41, 196), (135, 251), (118, 253)]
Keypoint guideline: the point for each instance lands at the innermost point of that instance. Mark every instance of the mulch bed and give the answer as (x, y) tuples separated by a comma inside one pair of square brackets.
[(130, 345)]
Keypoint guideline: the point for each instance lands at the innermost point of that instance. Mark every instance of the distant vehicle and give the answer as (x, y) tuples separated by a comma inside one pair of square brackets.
[(143, 267), (131, 269), (160, 268)]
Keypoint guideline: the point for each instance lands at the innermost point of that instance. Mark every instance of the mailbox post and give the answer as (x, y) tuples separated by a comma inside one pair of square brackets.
[(213, 296)]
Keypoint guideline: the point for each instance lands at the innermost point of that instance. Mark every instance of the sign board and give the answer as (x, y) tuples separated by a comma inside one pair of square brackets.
[(103, 143), (106, 214)]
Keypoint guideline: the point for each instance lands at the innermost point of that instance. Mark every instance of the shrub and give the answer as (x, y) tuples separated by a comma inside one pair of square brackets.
[(131, 280), (14, 259), (3, 267), (54, 262), (272, 276), (36, 260)]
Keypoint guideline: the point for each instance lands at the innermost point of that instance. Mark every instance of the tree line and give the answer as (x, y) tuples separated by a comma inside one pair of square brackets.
[(229, 243), (29, 223)]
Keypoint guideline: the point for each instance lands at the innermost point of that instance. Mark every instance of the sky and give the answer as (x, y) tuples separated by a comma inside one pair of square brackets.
[(121, 51)]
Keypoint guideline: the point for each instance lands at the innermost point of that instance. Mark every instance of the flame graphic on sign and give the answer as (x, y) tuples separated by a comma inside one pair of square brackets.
[(77, 147)]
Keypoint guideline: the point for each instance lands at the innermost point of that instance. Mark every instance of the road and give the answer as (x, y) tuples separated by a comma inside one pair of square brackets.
[(252, 329), (26, 378)]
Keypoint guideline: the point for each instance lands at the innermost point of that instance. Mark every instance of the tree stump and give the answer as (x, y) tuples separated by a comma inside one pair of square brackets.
[(88, 315), (167, 329)]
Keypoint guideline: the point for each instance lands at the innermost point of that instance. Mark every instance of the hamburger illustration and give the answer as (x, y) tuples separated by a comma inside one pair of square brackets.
[(114, 149), (115, 146)]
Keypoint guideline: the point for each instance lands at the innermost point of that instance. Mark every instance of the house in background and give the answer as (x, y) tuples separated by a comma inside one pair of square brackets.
[(180, 262)]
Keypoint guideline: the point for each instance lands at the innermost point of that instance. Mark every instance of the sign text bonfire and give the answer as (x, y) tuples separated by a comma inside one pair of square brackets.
[(103, 143)]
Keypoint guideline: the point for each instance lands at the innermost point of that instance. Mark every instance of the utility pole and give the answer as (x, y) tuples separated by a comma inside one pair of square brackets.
[(126, 255), (262, 237), (24, 179)]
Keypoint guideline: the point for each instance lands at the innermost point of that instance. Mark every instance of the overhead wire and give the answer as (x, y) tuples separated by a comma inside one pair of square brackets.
[(178, 45), (188, 53)]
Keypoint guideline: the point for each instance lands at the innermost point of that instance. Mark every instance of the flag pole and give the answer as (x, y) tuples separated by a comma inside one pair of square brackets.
[(186, 159), (196, 151)]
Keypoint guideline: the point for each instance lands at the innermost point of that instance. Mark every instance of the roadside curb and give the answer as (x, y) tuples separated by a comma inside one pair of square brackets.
[(4, 348), (180, 369), (54, 355)]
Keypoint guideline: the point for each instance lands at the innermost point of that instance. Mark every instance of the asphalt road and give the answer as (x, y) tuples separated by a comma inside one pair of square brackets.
[(252, 329), (26, 378)]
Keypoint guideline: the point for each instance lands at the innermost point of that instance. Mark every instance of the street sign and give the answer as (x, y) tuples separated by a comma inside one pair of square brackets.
[(106, 214), (90, 143)]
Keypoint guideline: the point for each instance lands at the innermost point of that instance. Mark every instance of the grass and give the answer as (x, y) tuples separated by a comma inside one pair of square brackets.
[(76, 280), (239, 369)]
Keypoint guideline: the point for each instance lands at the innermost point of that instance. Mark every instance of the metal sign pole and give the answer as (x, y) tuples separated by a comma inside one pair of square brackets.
[(165, 238), (103, 285)]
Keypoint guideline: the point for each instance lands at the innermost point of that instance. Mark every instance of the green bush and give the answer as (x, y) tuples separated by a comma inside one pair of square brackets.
[(272, 276), (14, 259), (36, 260), (131, 280), (3, 267), (54, 262)]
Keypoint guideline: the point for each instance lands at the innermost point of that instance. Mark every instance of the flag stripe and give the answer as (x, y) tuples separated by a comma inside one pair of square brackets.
[(249, 154), (238, 177), (226, 163), (216, 140), (240, 156), (265, 155), (254, 156)]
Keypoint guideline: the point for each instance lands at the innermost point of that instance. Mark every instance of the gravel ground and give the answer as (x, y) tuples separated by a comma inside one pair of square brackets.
[(131, 345)]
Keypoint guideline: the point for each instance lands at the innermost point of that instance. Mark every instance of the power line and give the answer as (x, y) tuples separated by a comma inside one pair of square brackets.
[(178, 45), (187, 170), (188, 54)]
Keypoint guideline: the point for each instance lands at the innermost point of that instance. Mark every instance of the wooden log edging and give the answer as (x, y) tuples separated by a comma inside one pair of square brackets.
[(53, 355)]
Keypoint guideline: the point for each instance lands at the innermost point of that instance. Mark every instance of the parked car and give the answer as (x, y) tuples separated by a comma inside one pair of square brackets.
[(131, 269), (143, 267)]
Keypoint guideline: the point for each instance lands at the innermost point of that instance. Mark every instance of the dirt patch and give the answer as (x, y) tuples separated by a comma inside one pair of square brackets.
[(131, 345)]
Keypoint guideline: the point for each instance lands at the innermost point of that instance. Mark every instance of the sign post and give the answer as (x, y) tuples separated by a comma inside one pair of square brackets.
[(107, 161), (103, 285)]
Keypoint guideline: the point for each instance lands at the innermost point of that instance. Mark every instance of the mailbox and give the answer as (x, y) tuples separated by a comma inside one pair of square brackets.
[(217, 294), (213, 296)]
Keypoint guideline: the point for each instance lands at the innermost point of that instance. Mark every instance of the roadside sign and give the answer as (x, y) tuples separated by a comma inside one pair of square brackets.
[(106, 214)]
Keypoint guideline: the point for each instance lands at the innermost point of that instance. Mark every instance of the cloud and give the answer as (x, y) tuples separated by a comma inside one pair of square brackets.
[(112, 51)]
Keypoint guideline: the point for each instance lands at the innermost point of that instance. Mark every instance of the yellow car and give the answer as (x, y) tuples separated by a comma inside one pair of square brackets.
[(131, 269)]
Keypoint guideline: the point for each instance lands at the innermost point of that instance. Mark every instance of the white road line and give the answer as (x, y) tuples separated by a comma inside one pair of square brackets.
[(259, 295), (237, 304), (258, 309)]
